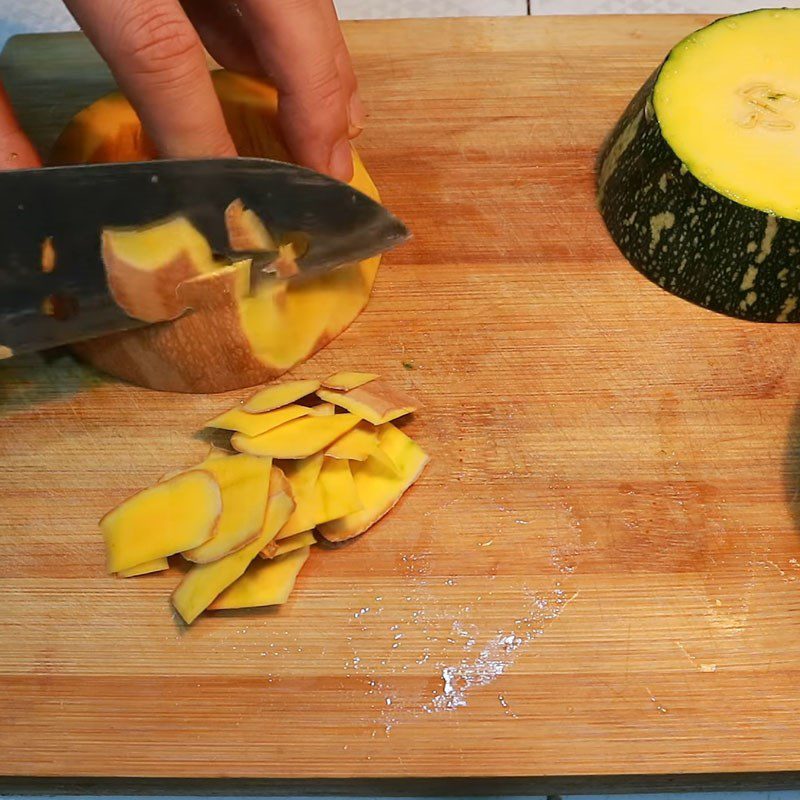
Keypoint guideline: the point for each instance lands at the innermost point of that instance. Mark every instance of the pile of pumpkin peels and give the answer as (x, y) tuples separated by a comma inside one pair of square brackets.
[(247, 520)]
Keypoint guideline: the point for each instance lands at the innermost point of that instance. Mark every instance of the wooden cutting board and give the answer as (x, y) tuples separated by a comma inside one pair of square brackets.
[(599, 573)]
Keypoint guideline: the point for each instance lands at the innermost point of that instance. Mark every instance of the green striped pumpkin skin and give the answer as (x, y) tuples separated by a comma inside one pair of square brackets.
[(688, 238)]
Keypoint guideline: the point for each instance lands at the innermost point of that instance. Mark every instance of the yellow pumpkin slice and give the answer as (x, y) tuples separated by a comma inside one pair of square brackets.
[(175, 515), (379, 489), (322, 410), (344, 381), (245, 230), (215, 452), (356, 445), (156, 565), (283, 546), (244, 481), (299, 438), (376, 402), (285, 265), (335, 492), (281, 504), (280, 394), (204, 582), (302, 476), (145, 266), (266, 583), (255, 424)]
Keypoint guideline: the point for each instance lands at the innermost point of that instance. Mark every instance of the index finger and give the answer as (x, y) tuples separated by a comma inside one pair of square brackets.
[(157, 59), (297, 46)]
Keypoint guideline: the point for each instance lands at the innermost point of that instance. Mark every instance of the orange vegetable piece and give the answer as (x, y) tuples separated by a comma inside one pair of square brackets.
[(322, 410), (285, 264), (175, 515), (299, 438), (302, 476), (356, 445), (146, 265), (283, 546), (245, 230), (376, 402), (156, 565), (344, 381), (256, 424), (254, 338), (204, 582), (48, 255), (279, 394), (335, 492), (244, 481), (266, 583), (378, 489)]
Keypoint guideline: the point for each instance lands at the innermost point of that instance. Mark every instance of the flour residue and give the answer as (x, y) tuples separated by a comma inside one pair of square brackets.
[(496, 656)]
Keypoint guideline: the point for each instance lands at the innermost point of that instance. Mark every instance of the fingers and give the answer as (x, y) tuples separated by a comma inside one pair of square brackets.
[(16, 152), (157, 58), (296, 46), (356, 115), (221, 28)]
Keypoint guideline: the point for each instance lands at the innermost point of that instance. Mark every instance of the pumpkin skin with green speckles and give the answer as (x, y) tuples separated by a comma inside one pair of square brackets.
[(677, 183)]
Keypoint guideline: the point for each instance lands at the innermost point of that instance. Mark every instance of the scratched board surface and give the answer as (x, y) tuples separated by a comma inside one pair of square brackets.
[(598, 572)]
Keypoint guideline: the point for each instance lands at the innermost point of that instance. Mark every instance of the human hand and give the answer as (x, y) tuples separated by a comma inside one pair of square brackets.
[(154, 50)]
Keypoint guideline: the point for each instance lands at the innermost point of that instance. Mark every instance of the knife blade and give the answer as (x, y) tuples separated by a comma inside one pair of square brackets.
[(67, 208)]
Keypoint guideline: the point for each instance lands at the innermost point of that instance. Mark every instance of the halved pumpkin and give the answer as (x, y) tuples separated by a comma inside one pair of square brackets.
[(245, 340)]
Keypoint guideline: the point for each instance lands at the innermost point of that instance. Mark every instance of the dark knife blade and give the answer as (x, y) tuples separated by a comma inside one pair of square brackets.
[(71, 206)]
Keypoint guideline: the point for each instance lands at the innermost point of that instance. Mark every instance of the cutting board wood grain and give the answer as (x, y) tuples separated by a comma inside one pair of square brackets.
[(599, 573)]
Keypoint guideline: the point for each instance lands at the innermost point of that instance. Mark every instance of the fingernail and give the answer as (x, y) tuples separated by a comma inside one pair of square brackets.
[(357, 112), (341, 163)]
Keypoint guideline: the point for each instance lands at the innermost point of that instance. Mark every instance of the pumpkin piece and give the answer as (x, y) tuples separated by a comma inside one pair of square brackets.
[(280, 547), (299, 240), (378, 489), (285, 264), (377, 402), (335, 492), (244, 481), (278, 395), (266, 583), (204, 582), (281, 505), (696, 182), (175, 515), (245, 230), (302, 476), (216, 290), (248, 339), (215, 452), (356, 445), (344, 381), (48, 255), (256, 424), (156, 565), (322, 410), (299, 438), (146, 265)]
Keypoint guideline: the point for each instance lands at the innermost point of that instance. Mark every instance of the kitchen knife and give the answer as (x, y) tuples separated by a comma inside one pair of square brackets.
[(56, 215)]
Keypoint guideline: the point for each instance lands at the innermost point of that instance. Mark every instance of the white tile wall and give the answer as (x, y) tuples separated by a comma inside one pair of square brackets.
[(372, 9), (647, 6)]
